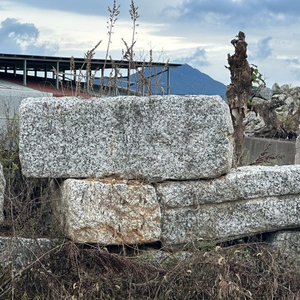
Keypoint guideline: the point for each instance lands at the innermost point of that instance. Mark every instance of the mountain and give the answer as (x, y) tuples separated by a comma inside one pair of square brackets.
[(185, 80)]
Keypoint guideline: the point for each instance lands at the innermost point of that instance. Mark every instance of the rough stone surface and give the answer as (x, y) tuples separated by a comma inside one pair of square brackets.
[(285, 87), (21, 252), (157, 138), (275, 117), (109, 212), (275, 87), (253, 122), (288, 242), (265, 93), (257, 101), (247, 201), (2, 190)]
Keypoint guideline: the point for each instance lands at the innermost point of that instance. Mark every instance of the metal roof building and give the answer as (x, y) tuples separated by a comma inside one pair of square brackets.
[(23, 64)]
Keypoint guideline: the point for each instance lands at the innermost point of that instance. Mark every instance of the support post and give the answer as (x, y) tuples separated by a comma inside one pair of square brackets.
[(24, 72), (57, 76), (45, 75), (168, 81)]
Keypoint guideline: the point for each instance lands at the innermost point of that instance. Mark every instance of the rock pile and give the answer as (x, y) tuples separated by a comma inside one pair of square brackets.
[(274, 113)]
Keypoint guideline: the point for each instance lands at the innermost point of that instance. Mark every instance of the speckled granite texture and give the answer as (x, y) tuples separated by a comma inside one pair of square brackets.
[(109, 211), (151, 138), (247, 201)]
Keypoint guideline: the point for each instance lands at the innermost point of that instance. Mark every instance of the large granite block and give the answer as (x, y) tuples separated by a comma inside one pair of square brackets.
[(152, 138), (109, 212), (247, 201)]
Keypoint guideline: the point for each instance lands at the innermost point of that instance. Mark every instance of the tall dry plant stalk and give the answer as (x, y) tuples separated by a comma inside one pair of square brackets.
[(84, 72), (128, 54), (88, 56), (112, 83), (84, 77), (113, 17)]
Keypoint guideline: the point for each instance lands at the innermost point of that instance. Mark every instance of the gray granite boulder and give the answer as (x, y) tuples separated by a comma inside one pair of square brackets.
[(2, 190), (152, 138), (285, 87), (264, 93), (109, 212), (256, 102), (247, 201), (275, 87)]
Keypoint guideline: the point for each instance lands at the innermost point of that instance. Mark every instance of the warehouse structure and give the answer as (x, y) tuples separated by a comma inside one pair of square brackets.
[(44, 66)]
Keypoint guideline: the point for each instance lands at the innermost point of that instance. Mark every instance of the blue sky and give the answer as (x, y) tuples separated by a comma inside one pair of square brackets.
[(197, 32)]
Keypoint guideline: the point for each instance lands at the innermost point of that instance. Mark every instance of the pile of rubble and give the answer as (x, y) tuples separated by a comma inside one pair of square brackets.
[(274, 112)]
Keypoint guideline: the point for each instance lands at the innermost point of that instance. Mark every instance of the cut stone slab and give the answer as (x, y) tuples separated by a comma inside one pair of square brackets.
[(2, 190), (152, 138), (247, 201), (109, 212), (20, 252)]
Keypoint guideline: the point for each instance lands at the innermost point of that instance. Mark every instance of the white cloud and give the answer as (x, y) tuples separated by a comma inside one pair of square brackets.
[(196, 58), (19, 38), (177, 26)]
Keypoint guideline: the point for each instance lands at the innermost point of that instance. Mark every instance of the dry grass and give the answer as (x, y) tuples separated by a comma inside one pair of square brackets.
[(241, 271), (266, 158), (27, 205)]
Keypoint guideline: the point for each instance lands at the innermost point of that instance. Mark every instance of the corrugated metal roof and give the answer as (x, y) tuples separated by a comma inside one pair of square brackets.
[(46, 63)]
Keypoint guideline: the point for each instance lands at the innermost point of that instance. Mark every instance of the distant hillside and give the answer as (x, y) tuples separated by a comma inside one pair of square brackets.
[(186, 80)]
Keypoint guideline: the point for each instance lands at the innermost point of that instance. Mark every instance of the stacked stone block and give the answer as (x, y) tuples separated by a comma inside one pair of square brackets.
[(144, 169)]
